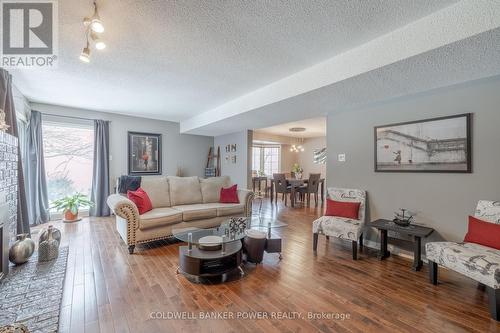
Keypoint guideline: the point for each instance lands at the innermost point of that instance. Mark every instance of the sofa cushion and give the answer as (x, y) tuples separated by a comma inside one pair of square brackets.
[(483, 233), (210, 188), (141, 199), (230, 209), (184, 190), (157, 189), (229, 195), (197, 211), (475, 261), (159, 217)]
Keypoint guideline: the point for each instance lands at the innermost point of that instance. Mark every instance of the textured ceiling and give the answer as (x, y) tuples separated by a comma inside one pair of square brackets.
[(315, 127), (176, 59), (469, 59)]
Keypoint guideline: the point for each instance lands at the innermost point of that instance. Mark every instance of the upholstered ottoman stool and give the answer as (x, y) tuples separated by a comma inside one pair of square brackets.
[(254, 244)]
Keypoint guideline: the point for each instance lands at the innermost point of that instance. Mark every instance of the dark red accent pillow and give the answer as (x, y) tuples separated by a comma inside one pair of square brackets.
[(229, 195), (345, 209), (141, 200), (483, 233)]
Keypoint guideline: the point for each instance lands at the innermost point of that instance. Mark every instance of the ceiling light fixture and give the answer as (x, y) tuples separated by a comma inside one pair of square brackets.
[(94, 22), (85, 55), (98, 41), (297, 148), (94, 28)]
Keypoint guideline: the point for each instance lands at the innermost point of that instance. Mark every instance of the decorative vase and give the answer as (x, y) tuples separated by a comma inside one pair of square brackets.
[(298, 175), (21, 250), (69, 216), (44, 234), (48, 249)]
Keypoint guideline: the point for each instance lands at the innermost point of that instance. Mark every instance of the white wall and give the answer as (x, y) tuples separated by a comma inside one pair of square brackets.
[(442, 200), (240, 172), (184, 151)]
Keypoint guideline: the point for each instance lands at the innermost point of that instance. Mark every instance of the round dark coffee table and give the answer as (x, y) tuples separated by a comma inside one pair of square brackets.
[(214, 252)]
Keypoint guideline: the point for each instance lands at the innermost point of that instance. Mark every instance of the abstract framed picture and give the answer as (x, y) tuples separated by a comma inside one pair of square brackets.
[(144, 153), (431, 145)]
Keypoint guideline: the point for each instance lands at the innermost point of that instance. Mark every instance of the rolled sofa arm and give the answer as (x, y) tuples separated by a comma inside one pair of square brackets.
[(246, 197), (124, 208)]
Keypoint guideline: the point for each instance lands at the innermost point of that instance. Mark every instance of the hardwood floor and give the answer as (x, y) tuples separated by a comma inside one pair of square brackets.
[(108, 290)]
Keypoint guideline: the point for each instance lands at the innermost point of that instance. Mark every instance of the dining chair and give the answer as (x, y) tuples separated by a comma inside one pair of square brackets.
[(281, 186), (311, 187)]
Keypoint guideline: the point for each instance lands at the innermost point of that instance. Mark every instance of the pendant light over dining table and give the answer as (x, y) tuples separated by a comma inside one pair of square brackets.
[(93, 32)]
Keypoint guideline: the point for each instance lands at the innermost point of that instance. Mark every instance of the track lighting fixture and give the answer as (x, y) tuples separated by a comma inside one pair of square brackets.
[(94, 28)]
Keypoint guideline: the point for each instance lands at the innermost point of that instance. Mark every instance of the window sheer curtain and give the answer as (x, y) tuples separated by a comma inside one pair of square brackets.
[(100, 179), (7, 105), (36, 182)]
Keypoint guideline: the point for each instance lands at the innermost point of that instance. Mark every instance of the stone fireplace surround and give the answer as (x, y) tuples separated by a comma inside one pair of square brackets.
[(8, 196)]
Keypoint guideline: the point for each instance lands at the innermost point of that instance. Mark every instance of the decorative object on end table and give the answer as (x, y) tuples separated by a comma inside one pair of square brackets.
[(21, 250), (49, 248), (44, 234), (297, 170), (401, 219), (70, 205), (431, 145), (144, 153)]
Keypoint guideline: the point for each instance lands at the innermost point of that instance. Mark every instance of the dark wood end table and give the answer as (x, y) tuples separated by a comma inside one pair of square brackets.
[(416, 231)]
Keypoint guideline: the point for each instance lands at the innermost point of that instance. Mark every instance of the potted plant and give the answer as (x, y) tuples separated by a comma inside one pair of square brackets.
[(297, 170), (70, 204)]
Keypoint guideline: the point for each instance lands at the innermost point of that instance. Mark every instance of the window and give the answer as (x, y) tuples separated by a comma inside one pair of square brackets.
[(68, 153), (266, 159)]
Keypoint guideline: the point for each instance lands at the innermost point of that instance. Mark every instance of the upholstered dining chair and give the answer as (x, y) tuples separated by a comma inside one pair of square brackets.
[(340, 227), (311, 187), (281, 186)]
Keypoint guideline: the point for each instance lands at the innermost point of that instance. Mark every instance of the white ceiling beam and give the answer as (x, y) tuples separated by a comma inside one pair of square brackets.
[(451, 24)]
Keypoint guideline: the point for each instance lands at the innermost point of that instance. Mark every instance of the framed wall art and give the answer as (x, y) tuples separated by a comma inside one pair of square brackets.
[(144, 153), (431, 145)]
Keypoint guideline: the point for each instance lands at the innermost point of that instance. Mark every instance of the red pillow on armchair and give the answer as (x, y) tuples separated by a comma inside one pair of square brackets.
[(483, 233), (229, 195), (345, 209), (141, 200)]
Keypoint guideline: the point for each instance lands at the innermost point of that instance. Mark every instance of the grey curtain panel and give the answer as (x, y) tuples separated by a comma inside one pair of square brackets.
[(7, 105), (100, 179), (36, 183)]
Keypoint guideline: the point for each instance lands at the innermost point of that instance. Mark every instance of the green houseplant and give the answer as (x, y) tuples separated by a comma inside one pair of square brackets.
[(70, 205)]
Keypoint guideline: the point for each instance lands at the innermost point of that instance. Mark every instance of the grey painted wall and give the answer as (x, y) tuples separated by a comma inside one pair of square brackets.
[(184, 151), (241, 170), (442, 200)]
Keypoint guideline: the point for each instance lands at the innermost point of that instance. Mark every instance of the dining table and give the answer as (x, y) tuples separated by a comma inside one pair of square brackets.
[(294, 184)]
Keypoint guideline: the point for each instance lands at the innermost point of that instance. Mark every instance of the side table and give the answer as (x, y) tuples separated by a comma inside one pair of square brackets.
[(416, 231)]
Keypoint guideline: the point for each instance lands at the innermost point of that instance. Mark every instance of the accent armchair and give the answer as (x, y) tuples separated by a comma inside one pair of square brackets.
[(478, 262), (340, 227)]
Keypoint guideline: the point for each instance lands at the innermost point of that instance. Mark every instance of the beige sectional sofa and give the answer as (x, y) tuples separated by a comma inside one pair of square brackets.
[(178, 202)]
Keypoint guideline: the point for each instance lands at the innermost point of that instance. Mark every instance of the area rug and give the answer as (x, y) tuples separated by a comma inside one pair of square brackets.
[(32, 293)]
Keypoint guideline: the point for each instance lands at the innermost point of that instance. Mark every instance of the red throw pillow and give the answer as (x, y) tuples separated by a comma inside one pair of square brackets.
[(345, 209), (141, 200), (483, 233), (229, 195)]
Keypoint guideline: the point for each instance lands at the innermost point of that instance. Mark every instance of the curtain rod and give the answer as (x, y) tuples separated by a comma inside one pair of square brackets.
[(73, 117)]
